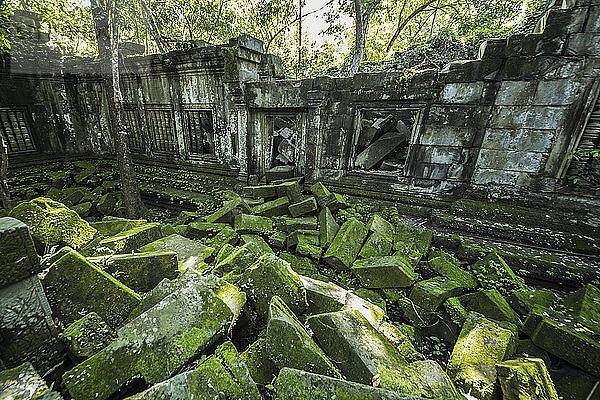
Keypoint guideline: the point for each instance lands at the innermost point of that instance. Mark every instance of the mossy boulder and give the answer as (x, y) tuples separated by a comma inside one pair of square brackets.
[(190, 253), (18, 257), (525, 379), (75, 287), (86, 336), (289, 345), (378, 224), (419, 379), (401, 340), (246, 223), (491, 304), (291, 190), (228, 211), (523, 301), (328, 228), (384, 272), (52, 223), (430, 294), (130, 240), (272, 208), (266, 191), (261, 368), (109, 202), (278, 240), (584, 306), (346, 245)]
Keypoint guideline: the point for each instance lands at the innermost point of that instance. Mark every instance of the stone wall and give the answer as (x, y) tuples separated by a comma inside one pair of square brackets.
[(503, 124)]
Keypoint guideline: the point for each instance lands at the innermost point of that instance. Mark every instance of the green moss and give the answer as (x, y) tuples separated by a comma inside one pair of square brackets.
[(261, 368), (132, 239), (431, 293), (346, 245), (86, 336), (493, 273)]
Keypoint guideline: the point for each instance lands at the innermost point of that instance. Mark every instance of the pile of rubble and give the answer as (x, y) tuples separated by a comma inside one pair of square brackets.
[(243, 304)]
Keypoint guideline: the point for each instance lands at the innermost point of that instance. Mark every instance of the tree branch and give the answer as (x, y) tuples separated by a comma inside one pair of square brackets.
[(402, 25)]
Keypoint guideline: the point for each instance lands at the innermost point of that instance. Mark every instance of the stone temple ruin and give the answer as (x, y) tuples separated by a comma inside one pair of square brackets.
[(385, 236)]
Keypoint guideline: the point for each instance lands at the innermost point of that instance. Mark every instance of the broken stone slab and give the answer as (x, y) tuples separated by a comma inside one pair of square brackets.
[(240, 259), (222, 375), (109, 202), (265, 191), (18, 257), (154, 345), (378, 224), (278, 240), (419, 379), (28, 331), (291, 190), (107, 228), (376, 245), (491, 304), (584, 306), (270, 276), (412, 241), (246, 223), (303, 207), (523, 301), (279, 172), (228, 211), (525, 377), (259, 242), (321, 193), (293, 224), (346, 244), (305, 235), (384, 272), (379, 149), (328, 227), (289, 345), (261, 368), (359, 350), (139, 271), (301, 265), (402, 342), (308, 249), (492, 272), (226, 236), (130, 240), (272, 208), (481, 344), (75, 287), (199, 230), (430, 294), (325, 297), (24, 383), (86, 336), (190, 253), (335, 202), (292, 384), (450, 268), (377, 128), (52, 223)]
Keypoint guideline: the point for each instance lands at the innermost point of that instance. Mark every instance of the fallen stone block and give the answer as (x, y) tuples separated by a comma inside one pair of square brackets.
[(481, 344), (304, 235), (111, 227), (378, 224), (328, 227), (190, 253), (335, 202), (346, 245), (272, 208), (492, 272), (321, 193), (412, 241), (261, 368), (109, 202), (384, 272), (154, 345), (222, 375), (279, 172), (301, 265), (226, 236), (457, 312), (419, 379), (239, 259), (401, 341), (199, 230), (18, 257), (292, 384), (303, 207), (359, 350), (75, 287), (491, 304), (525, 377), (265, 191), (227, 213), (584, 306), (571, 383), (430, 294), (291, 190), (86, 336), (139, 271), (52, 223), (524, 301), (289, 345), (379, 149), (376, 245), (82, 209), (258, 241), (130, 240), (24, 383), (449, 267), (278, 240), (374, 129), (186, 217), (308, 249), (271, 276), (294, 224), (246, 223)]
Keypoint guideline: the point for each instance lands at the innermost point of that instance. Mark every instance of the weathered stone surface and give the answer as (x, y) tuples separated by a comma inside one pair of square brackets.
[(431, 293), (376, 245), (346, 245), (384, 272), (155, 344), (240, 259), (523, 301), (75, 287), (450, 268), (130, 240), (139, 271), (293, 384), (111, 227), (321, 193), (278, 240), (291, 190), (328, 227), (51, 223), (86, 336), (412, 241), (266, 191), (272, 208), (229, 210), (258, 241), (525, 378), (359, 350), (379, 149), (289, 345), (18, 257), (480, 345), (325, 297), (420, 379), (198, 230), (226, 236), (108, 203), (303, 207), (245, 223), (293, 224), (279, 172), (302, 265), (491, 304), (28, 332), (378, 224), (222, 375), (492, 272), (271, 276), (190, 253), (335, 202), (584, 306), (261, 368), (24, 383)]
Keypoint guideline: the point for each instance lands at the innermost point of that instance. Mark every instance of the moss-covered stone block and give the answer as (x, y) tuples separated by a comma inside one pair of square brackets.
[(86, 336), (261, 368), (290, 225), (359, 350), (190, 253), (272, 208), (303, 235), (278, 240), (289, 345), (83, 209), (186, 217), (328, 228), (154, 345), (481, 344), (24, 383), (525, 379), (422, 379), (228, 211), (491, 304), (246, 223), (301, 265), (199, 230), (449, 267), (321, 193), (346, 245), (492, 272), (378, 224), (139, 271), (384, 272), (303, 207), (227, 235), (271, 276), (265, 191), (130, 240), (18, 257), (240, 259), (109, 202), (412, 241), (52, 223), (584, 306), (259, 242), (335, 202), (403, 342), (430, 294), (291, 190), (292, 384), (111, 227), (75, 287), (226, 250), (523, 301), (457, 312), (376, 245)]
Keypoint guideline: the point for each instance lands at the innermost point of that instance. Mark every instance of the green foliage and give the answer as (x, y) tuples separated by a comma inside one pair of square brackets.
[(5, 11), (588, 172)]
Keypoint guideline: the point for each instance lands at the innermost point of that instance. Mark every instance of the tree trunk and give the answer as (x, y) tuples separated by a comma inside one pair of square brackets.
[(359, 37), (131, 192), (153, 27), (4, 193), (101, 28)]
